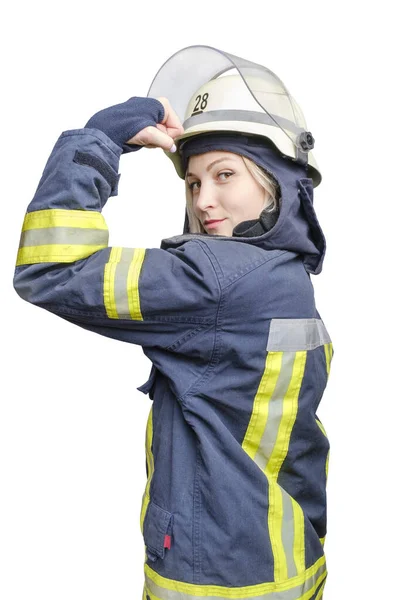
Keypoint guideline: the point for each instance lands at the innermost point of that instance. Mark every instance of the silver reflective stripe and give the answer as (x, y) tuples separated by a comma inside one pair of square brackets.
[(265, 450), (241, 115), (275, 412), (64, 235), (121, 283), (295, 593), (293, 335)]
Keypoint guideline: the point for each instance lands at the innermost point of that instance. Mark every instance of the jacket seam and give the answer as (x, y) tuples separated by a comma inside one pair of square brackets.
[(194, 320), (242, 272), (214, 360), (89, 132), (210, 254), (196, 527), (100, 316), (256, 266), (214, 354), (184, 338)]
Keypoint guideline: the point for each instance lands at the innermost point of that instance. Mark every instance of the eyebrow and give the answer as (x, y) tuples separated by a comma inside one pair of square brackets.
[(211, 165)]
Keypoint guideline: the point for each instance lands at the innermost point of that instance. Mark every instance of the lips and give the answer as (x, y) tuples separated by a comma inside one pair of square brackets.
[(211, 221)]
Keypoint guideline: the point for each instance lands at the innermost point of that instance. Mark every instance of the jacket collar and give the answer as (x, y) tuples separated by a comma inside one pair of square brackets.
[(296, 228)]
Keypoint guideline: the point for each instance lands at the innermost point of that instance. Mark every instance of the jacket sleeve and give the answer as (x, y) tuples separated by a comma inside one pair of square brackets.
[(146, 296)]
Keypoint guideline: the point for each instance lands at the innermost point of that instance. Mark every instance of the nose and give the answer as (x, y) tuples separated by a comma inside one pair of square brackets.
[(206, 197)]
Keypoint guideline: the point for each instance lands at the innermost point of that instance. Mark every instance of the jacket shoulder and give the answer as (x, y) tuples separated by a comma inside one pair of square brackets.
[(233, 259)]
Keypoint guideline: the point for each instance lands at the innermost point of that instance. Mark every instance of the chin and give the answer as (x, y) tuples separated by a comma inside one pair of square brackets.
[(225, 229)]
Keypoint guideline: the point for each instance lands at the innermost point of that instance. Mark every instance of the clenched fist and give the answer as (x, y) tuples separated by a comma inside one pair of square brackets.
[(163, 134), (138, 122)]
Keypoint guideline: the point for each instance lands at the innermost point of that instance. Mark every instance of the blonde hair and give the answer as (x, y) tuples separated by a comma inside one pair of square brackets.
[(266, 181)]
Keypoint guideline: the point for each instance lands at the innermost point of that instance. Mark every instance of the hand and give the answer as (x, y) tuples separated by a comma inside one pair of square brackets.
[(164, 133)]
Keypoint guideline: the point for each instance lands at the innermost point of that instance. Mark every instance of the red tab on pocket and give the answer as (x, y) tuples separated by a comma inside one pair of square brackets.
[(167, 542)]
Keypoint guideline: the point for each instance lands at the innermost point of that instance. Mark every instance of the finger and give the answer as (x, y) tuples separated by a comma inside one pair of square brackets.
[(153, 137), (161, 139), (171, 119), (173, 133), (162, 127)]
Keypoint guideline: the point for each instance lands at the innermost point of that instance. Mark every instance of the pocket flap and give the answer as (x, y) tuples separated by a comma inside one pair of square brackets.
[(157, 525), (147, 387)]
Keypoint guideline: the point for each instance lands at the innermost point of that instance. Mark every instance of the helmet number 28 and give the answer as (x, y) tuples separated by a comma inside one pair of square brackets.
[(201, 103)]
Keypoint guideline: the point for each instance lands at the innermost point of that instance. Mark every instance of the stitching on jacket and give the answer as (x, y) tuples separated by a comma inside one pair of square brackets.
[(238, 274), (256, 266), (196, 532), (204, 321), (185, 338), (215, 355), (207, 251), (201, 320), (86, 132)]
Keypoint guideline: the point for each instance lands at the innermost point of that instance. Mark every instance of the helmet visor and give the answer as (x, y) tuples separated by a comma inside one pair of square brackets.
[(189, 69)]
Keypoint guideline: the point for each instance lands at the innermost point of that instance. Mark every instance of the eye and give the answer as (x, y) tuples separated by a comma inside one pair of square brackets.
[(227, 173)]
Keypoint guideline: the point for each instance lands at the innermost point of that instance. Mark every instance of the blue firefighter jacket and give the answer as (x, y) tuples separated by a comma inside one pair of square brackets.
[(236, 457)]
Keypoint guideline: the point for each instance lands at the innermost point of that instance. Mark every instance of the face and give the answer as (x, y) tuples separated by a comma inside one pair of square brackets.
[(223, 188)]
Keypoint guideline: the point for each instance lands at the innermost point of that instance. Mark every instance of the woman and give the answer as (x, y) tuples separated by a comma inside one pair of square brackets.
[(235, 501)]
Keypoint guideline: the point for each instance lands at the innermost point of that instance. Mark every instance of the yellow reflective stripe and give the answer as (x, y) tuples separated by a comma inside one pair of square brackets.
[(322, 428), (133, 284), (162, 588), (327, 465), (299, 550), (54, 253), (275, 519), (320, 592), (259, 414), (267, 442), (121, 283), (109, 279), (274, 464), (251, 444), (49, 236), (289, 415), (322, 540), (150, 467), (328, 357), (43, 219)]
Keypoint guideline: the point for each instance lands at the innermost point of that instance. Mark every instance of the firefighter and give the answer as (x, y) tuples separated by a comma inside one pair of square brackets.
[(236, 456)]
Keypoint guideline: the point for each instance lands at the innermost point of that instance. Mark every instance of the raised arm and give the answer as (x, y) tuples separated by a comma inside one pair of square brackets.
[(150, 297)]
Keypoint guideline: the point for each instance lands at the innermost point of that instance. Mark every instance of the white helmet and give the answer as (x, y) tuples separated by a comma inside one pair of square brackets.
[(253, 101)]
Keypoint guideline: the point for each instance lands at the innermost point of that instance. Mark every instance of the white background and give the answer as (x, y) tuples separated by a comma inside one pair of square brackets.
[(72, 456)]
